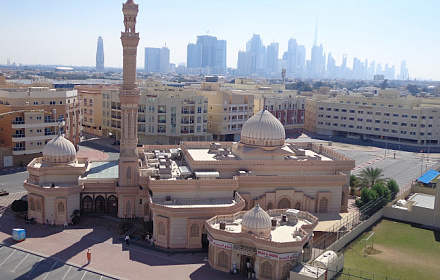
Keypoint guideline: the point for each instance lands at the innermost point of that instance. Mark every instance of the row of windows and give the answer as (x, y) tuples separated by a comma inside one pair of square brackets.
[(376, 113), (375, 129)]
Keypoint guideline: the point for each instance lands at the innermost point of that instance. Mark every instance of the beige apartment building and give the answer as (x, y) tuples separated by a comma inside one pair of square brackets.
[(92, 107), (166, 115), (31, 117), (287, 106), (386, 117), (227, 111)]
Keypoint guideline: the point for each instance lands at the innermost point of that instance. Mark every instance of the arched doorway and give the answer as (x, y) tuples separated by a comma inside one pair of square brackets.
[(87, 205), (284, 203), (298, 205), (323, 205), (99, 204), (112, 204)]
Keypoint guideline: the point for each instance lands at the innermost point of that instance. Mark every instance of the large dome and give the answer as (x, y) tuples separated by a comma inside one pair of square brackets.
[(263, 129), (59, 150), (256, 218)]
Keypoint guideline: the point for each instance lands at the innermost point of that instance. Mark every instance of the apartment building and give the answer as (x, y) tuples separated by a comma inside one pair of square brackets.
[(166, 115), (30, 117), (287, 106), (386, 117), (228, 110), (92, 107)]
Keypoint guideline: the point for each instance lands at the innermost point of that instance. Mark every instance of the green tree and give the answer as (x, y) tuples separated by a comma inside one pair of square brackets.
[(381, 190), (393, 187), (371, 176), (353, 183)]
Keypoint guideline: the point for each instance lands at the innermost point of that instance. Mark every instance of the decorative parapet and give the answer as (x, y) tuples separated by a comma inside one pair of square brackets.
[(236, 205), (340, 178), (53, 191), (191, 184), (304, 230)]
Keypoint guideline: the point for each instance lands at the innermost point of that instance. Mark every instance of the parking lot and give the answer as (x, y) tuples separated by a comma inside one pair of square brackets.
[(18, 264)]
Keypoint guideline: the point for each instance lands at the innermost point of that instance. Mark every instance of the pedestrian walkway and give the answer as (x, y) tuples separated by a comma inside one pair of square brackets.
[(19, 264)]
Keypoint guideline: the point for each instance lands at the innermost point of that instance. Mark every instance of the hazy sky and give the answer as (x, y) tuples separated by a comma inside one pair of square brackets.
[(66, 32)]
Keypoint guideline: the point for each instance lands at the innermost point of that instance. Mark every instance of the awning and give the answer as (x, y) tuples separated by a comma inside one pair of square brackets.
[(428, 176)]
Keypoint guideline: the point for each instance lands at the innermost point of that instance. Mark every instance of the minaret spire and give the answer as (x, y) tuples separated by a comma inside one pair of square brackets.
[(129, 97)]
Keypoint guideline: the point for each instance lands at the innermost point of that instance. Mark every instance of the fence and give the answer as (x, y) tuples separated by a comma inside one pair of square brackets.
[(330, 237), (344, 273)]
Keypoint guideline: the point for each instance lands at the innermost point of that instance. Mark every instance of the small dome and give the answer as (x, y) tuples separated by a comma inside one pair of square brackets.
[(263, 129), (256, 218), (59, 150)]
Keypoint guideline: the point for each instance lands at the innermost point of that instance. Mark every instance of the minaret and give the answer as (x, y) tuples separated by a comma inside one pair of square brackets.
[(129, 98)]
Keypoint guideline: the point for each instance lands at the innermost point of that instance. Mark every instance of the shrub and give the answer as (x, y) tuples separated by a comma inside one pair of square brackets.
[(19, 206), (75, 216), (393, 187)]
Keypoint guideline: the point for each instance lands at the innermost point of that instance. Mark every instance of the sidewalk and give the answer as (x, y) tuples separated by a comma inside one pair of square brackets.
[(109, 255)]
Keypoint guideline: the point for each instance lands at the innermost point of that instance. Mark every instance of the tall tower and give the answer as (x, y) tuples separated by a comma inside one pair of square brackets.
[(100, 54), (129, 97)]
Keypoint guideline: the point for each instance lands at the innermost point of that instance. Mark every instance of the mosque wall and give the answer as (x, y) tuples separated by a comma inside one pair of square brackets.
[(178, 232)]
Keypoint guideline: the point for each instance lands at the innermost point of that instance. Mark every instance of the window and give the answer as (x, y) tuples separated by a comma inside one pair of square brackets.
[(32, 203), (194, 230), (161, 227), (61, 208), (269, 206), (199, 110), (284, 203), (91, 101), (404, 116), (61, 102), (223, 259), (394, 123), (377, 121), (396, 115), (323, 205), (266, 269), (128, 173), (352, 111), (344, 110)]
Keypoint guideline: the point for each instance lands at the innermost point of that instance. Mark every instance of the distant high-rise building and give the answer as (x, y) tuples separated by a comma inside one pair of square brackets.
[(194, 56), (272, 58), (208, 52), (296, 56), (152, 59), (100, 54), (403, 71), (157, 59), (164, 59)]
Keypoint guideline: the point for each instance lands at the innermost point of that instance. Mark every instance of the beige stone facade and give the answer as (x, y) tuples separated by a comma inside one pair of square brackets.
[(386, 117), (31, 117), (239, 249)]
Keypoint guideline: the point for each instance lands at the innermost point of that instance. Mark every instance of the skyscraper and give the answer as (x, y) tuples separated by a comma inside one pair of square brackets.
[(272, 58), (100, 54), (208, 52), (164, 64), (129, 97), (317, 60), (152, 59), (157, 59)]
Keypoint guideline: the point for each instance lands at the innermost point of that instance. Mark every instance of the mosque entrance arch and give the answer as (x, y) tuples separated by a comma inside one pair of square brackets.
[(87, 205), (99, 204), (112, 205)]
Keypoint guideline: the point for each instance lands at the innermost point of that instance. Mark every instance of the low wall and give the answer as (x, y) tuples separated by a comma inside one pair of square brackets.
[(338, 245), (418, 215)]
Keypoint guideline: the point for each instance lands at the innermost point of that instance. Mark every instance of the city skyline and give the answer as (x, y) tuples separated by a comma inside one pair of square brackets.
[(385, 32)]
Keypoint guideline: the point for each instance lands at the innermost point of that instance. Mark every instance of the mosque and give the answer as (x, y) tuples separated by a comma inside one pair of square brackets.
[(182, 187)]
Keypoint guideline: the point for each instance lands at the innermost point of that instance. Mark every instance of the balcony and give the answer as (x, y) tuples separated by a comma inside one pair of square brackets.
[(187, 112), (141, 120), (116, 108), (18, 148), (162, 121), (161, 111), (116, 117), (18, 136), (17, 122), (50, 133), (53, 121)]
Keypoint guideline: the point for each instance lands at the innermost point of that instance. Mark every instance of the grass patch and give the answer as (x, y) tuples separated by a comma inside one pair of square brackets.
[(399, 250)]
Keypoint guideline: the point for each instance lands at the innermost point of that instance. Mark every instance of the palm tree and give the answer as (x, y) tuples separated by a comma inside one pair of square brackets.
[(369, 176)]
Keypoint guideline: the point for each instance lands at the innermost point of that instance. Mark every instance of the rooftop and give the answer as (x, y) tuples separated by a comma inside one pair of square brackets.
[(103, 169), (423, 200)]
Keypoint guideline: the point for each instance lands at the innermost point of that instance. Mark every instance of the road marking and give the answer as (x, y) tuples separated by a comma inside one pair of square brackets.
[(7, 258), (20, 263), (50, 270), (84, 275), (66, 272), (27, 275)]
